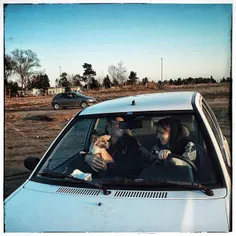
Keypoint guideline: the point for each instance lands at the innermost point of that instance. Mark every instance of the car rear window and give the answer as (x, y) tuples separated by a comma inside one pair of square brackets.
[(57, 96)]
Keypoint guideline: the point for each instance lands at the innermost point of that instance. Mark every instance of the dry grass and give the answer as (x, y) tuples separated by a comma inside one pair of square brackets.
[(211, 91)]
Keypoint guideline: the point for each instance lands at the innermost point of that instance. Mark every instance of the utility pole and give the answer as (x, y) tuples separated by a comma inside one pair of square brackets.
[(161, 69), (60, 71), (160, 85)]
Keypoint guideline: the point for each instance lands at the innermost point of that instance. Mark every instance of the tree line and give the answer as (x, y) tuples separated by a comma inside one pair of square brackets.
[(26, 65)]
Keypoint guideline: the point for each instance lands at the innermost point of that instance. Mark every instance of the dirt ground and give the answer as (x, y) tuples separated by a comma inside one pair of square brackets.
[(31, 124)]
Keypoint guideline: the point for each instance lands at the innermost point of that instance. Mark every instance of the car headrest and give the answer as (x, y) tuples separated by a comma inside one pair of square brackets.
[(185, 131)]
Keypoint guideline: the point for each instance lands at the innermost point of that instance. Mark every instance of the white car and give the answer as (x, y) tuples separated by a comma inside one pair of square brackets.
[(195, 197)]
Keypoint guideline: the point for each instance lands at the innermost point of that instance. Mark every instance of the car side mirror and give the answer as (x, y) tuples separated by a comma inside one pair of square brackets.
[(31, 162)]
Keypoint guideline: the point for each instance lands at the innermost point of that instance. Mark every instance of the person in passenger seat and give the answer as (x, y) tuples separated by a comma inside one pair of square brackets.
[(128, 154), (171, 139)]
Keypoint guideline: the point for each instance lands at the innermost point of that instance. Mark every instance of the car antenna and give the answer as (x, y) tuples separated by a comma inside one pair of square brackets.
[(133, 103)]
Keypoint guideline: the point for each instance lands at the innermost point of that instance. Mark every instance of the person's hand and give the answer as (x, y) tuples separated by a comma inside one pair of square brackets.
[(163, 154), (95, 162)]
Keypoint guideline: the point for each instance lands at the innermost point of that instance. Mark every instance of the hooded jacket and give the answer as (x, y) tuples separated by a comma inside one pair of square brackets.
[(178, 143)]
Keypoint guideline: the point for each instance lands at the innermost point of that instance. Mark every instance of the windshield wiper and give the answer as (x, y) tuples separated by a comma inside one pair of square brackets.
[(63, 176), (148, 182)]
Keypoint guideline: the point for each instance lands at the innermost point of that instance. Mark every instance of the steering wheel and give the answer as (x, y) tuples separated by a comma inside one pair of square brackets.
[(182, 158)]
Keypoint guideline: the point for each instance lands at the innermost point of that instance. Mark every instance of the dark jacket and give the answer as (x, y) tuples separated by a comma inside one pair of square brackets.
[(129, 157), (177, 140)]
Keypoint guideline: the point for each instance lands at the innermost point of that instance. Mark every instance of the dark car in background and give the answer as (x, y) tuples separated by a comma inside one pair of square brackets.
[(72, 99)]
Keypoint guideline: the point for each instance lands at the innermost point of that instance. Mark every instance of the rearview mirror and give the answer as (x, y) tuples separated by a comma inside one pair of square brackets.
[(31, 162), (133, 124)]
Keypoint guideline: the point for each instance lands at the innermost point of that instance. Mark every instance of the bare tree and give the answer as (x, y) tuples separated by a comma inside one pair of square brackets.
[(100, 78), (121, 73), (118, 73), (8, 67), (70, 78), (25, 62), (112, 70), (57, 82)]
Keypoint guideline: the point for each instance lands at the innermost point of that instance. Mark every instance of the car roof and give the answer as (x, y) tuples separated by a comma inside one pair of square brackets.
[(70, 92), (169, 101)]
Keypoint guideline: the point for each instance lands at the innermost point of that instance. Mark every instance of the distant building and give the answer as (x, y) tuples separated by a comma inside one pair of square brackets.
[(29, 92), (55, 90), (37, 92), (26, 92)]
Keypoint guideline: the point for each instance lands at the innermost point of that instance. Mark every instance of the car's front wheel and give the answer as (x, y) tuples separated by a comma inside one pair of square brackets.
[(84, 104), (56, 106)]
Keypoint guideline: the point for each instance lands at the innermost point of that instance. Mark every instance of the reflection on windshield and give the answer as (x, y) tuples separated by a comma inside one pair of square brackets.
[(157, 148)]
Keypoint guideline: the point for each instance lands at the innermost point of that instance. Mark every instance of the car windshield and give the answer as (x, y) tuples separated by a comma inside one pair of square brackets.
[(154, 147), (80, 94)]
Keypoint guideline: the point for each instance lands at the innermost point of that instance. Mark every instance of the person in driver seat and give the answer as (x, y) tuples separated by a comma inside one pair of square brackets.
[(170, 139), (128, 154)]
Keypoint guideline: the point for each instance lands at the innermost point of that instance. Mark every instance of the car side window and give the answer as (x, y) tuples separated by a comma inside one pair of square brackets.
[(63, 96), (215, 127), (101, 126), (70, 95), (213, 118)]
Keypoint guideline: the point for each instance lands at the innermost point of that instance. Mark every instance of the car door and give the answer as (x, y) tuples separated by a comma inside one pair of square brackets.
[(64, 100), (72, 100), (79, 99)]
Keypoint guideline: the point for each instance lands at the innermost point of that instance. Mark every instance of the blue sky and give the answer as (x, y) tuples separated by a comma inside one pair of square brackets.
[(192, 39)]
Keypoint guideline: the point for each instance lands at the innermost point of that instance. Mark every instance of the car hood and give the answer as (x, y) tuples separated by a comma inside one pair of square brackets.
[(46, 208)]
